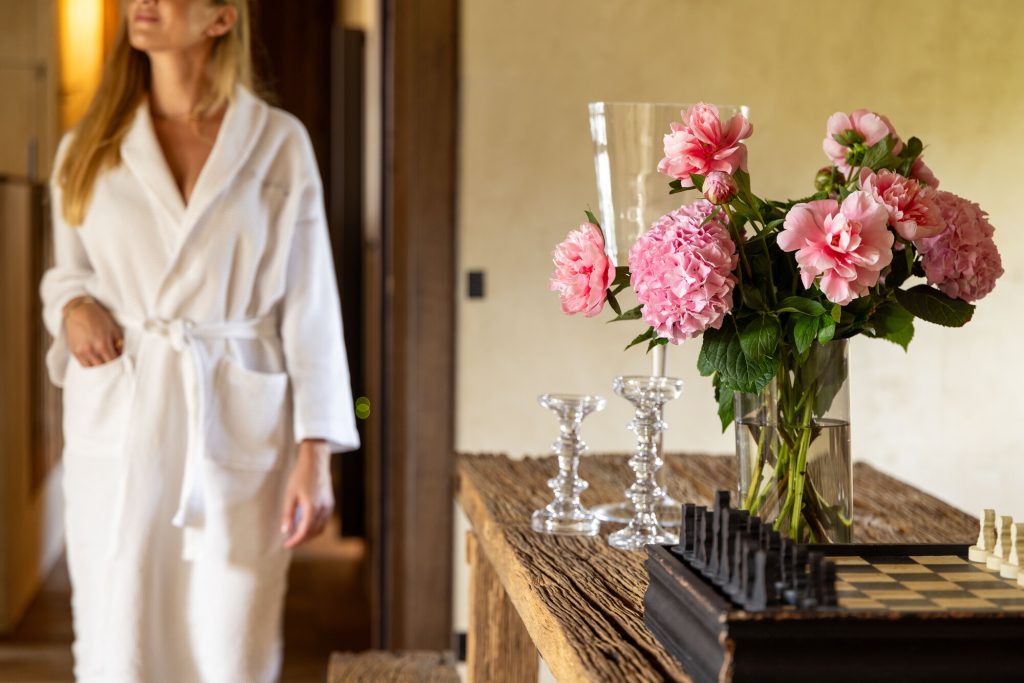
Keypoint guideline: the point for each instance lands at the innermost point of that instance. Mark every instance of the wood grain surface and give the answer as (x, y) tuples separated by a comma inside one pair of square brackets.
[(386, 667), (581, 600)]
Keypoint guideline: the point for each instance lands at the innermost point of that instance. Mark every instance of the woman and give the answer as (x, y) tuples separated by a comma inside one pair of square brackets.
[(197, 338)]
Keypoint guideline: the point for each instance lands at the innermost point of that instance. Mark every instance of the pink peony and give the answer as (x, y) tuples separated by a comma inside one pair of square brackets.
[(846, 245), (913, 212), (719, 187), (583, 271), (919, 171), (681, 272), (869, 126), (701, 144), (962, 261)]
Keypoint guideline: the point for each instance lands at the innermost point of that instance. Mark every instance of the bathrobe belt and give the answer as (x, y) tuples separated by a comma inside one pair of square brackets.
[(185, 337)]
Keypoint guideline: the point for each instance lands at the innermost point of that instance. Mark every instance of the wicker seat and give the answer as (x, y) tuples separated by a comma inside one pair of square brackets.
[(376, 666)]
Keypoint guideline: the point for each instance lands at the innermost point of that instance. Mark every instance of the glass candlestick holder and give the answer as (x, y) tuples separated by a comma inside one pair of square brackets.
[(648, 396), (565, 515)]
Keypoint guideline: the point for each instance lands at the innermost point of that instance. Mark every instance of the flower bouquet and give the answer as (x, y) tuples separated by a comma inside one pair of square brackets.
[(776, 287)]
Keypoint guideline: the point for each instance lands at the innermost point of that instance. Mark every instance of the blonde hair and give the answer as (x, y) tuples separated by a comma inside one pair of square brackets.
[(96, 145)]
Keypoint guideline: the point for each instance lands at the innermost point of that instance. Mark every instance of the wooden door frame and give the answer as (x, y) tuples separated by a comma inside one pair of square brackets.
[(413, 476)]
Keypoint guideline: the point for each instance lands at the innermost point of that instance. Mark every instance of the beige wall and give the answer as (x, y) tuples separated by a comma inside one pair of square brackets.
[(951, 72)]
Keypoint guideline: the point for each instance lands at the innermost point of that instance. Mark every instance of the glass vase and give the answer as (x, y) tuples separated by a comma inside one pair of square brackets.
[(648, 396), (629, 141), (793, 447), (565, 515)]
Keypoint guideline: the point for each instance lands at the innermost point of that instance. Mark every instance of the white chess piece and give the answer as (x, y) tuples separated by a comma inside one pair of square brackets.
[(1011, 568), (1001, 552), (986, 537)]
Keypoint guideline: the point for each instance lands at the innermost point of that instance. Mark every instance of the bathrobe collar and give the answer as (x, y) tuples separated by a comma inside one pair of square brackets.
[(243, 122)]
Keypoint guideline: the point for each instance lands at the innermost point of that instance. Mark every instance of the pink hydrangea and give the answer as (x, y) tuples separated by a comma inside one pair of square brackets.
[(963, 260), (701, 144), (846, 245), (919, 171), (871, 127), (682, 273), (583, 271), (913, 212)]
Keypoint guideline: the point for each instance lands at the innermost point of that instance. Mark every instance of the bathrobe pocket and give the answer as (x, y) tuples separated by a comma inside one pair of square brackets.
[(96, 404), (250, 416)]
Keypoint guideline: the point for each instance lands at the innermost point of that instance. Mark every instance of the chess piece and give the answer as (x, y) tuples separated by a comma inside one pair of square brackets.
[(694, 521), (986, 538), (733, 524), (721, 503), (700, 553), (1001, 551), (796, 577), (686, 531), (812, 597), (758, 598), (1010, 569)]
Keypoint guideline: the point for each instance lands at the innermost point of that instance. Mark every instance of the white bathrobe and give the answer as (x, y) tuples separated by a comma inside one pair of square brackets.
[(177, 453)]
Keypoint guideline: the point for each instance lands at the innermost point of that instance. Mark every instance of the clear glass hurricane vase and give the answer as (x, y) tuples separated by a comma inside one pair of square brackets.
[(648, 396), (565, 514), (628, 139), (793, 447), (628, 142)]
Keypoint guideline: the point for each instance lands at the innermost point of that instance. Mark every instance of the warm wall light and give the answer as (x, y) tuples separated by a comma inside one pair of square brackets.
[(81, 36)]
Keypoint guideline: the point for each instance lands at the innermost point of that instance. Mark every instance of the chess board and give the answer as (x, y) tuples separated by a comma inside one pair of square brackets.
[(922, 583), (905, 612)]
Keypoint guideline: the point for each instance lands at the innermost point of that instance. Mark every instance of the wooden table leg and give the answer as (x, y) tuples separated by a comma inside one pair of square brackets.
[(498, 647)]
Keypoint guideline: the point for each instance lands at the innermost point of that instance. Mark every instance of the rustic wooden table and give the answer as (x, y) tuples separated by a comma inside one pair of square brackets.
[(577, 601)]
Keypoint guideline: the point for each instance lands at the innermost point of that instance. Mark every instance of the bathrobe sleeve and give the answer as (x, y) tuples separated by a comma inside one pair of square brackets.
[(311, 325), (68, 278)]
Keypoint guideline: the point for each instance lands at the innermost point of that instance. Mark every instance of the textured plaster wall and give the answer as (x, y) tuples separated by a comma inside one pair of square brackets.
[(947, 416)]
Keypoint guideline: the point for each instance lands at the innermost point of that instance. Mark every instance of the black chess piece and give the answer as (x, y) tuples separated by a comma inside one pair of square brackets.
[(738, 545), (796, 574), (700, 533), (758, 598), (721, 504), (686, 531), (812, 597), (734, 522), (695, 521)]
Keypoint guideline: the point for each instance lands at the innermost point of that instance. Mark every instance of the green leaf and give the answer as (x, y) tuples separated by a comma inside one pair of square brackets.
[(631, 314), (827, 330), (698, 180), (799, 304), (879, 155), (742, 180), (614, 303), (837, 312), (804, 332), (726, 406), (760, 337), (641, 338), (592, 218), (722, 352), (711, 216), (754, 299), (930, 304), (621, 277), (893, 322), (657, 341)]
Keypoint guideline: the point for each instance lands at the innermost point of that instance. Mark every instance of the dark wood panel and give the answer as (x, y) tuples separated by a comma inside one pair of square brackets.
[(420, 97)]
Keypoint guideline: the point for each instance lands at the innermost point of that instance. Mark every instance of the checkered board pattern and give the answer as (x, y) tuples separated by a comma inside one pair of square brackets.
[(923, 583)]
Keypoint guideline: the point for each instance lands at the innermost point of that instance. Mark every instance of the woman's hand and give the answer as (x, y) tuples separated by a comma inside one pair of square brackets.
[(94, 337), (309, 489)]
